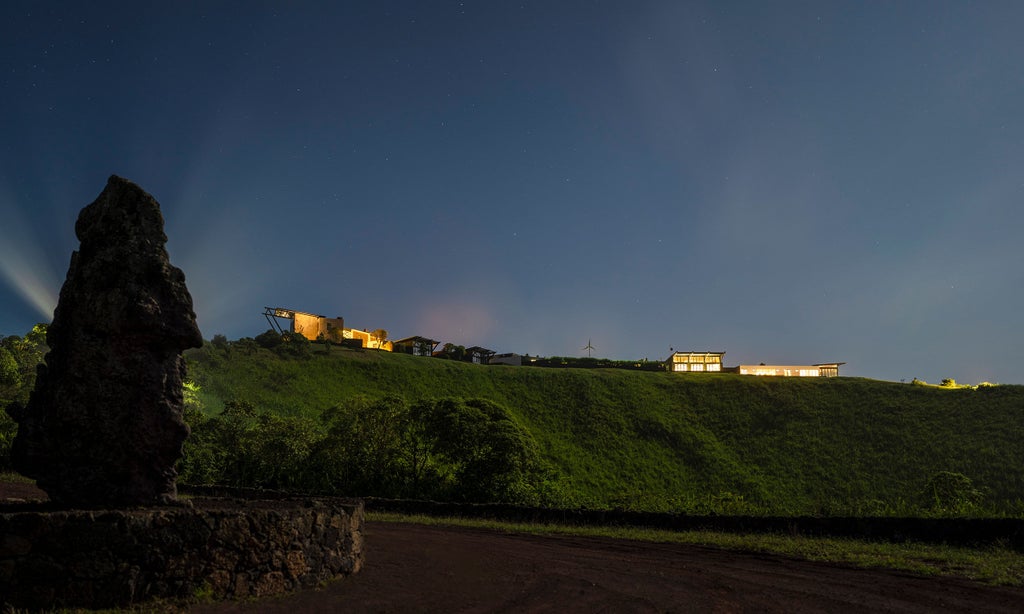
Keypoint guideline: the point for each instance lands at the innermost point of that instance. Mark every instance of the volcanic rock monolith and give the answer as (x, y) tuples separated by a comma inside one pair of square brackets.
[(103, 426)]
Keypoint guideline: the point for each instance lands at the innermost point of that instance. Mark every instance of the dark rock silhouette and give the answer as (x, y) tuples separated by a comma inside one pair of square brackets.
[(103, 426)]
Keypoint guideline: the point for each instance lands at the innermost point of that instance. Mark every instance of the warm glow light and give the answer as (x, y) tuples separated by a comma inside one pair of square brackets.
[(782, 371)]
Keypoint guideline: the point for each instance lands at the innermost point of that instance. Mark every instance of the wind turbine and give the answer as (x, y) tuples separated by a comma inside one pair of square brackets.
[(589, 348)]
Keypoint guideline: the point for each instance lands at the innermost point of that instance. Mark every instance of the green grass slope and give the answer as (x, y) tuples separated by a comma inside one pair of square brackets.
[(664, 441)]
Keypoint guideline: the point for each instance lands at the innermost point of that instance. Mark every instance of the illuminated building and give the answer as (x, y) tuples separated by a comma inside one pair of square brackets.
[(711, 362), (309, 325), (695, 362), (317, 327), (368, 339), (827, 369)]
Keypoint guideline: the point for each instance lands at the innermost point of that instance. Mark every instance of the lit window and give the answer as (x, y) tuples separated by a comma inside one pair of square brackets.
[(714, 367), (696, 367), (679, 367)]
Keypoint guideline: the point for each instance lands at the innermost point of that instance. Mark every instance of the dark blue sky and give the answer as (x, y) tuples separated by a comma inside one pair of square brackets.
[(790, 182)]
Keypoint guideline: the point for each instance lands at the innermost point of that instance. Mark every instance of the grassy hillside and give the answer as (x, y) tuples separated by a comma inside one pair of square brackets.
[(663, 441)]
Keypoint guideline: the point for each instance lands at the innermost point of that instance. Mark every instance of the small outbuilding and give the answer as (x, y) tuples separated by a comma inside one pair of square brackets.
[(416, 345), (479, 355)]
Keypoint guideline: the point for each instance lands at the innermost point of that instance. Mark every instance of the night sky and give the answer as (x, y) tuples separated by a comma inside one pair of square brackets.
[(788, 182)]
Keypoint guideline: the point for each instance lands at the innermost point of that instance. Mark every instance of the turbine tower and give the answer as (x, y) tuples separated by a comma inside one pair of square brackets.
[(589, 348)]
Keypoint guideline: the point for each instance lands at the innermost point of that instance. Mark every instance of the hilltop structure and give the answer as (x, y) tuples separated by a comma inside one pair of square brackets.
[(309, 325), (711, 362), (317, 328), (826, 369), (416, 345), (695, 362)]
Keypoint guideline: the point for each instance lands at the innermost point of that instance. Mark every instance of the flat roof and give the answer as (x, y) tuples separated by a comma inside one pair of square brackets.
[(760, 366), (281, 312), (416, 338)]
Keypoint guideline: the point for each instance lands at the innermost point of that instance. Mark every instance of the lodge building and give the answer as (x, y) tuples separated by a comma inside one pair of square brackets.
[(696, 362), (711, 362)]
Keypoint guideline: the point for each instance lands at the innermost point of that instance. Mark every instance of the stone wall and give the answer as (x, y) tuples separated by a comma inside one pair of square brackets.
[(224, 548)]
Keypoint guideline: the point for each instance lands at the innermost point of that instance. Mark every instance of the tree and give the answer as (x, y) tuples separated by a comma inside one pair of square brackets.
[(369, 449), (220, 342), (280, 451), (381, 335), (445, 449), (35, 340), (247, 345), (10, 376), (452, 351), (335, 334), (294, 344), (19, 358), (479, 452), (220, 449), (268, 339), (10, 384), (26, 353)]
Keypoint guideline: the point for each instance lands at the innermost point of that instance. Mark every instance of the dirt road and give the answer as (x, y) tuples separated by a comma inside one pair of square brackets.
[(412, 568)]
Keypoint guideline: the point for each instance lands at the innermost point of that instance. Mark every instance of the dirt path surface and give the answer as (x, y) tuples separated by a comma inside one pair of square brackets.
[(414, 568), (11, 492)]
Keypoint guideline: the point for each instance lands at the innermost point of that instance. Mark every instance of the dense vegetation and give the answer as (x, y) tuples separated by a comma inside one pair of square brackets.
[(289, 414), (358, 422), (18, 359)]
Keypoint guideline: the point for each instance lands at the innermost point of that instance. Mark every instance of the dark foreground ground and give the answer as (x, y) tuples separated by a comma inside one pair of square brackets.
[(413, 568)]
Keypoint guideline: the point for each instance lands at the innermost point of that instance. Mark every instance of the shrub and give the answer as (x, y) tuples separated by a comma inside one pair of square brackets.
[(220, 342), (948, 492), (295, 345), (269, 339)]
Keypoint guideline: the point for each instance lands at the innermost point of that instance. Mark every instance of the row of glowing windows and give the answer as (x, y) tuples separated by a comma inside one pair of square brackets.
[(786, 372), (696, 367), (693, 358)]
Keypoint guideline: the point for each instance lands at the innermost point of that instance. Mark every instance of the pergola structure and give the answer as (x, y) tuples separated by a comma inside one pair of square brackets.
[(479, 355), (416, 345)]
